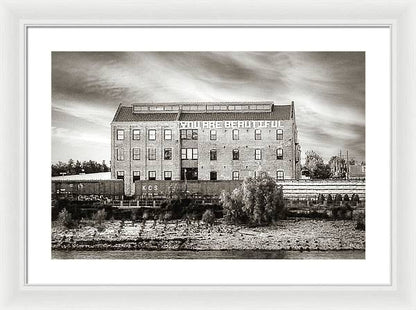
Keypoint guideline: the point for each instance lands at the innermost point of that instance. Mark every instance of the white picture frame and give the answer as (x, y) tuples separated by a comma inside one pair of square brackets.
[(15, 16)]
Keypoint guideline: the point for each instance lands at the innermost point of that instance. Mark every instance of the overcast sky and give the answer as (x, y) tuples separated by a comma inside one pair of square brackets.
[(328, 89)]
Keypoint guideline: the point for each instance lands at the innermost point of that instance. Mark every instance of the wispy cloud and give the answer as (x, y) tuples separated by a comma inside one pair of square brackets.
[(327, 87)]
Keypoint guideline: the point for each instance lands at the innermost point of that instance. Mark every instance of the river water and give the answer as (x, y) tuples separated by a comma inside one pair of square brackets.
[(228, 254)]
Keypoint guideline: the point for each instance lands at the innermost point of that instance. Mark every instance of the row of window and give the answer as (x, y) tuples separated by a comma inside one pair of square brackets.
[(167, 175), (191, 153), (191, 134), (151, 154), (236, 107), (258, 154), (151, 134)]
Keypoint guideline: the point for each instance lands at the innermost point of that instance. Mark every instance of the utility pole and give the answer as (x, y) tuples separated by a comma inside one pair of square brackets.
[(348, 167)]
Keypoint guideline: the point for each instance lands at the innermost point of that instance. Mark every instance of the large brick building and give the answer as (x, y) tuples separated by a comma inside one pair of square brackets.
[(204, 141)]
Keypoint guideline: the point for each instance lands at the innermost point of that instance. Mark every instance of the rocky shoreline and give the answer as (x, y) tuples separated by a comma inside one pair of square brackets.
[(298, 234)]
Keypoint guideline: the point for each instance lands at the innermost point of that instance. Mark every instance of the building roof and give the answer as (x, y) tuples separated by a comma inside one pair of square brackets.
[(125, 114), (278, 112)]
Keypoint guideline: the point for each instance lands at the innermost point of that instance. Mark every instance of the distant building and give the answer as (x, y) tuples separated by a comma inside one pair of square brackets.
[(204, 141), (357, 171)]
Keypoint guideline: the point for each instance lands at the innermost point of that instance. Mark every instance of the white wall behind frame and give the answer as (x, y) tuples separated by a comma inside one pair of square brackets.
[(12, 297)]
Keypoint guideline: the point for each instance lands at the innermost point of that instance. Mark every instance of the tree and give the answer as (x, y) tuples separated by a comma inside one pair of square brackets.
[(312, 160), (321, 171), (315, 164), (338, 166), (257, 201), (77, 167)]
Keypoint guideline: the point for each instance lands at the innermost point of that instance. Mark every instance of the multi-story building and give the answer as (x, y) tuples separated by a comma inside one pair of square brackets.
[(204, 141)]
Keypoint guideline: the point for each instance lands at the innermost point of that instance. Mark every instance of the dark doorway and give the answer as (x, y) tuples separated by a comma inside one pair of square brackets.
[(213, 175), (190, 173)]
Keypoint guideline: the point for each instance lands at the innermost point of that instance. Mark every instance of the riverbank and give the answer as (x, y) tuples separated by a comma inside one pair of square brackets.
[(223, 254), (294, 234)]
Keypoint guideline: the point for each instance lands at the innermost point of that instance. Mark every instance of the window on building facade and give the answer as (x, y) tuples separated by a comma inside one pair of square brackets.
[(236, 175), (236, 134), (236, 154), (171, 108), (213, 175), (136, 176), (136, 153), (151, 134), (279, 134), (167, 154), (189, 134), (140, 109), (120, 134), (151, 153), (213, 154), (257, 154), (257, 134), (136, 134), (152, 175), (260, 174), (120, 175), (168, 175), (279, 154), (280, 175), (120, 154), (189, 153), (168, 134), (156, 108), (213, 134)]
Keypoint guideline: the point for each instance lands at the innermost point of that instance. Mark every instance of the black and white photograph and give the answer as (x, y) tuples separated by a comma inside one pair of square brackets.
[(208, 155)]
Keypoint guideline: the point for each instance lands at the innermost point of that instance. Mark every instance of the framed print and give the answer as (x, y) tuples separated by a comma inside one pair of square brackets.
[(224, 182), (248, 163)]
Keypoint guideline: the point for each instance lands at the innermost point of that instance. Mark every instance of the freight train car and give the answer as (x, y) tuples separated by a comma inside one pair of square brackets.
[(198, 188), (87, 189)]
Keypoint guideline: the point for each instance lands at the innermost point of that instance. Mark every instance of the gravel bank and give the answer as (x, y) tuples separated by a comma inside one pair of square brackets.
[(299, 234)]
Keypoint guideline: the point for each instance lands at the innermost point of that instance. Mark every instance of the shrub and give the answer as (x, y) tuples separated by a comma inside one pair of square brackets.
[(146, 215), (99, 217), (338, 198), (257, 201), (167, 216), (65, 219), (329, 199), (134, 215), (208, 217), (355, 198), (346, 198), (360, 221)]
